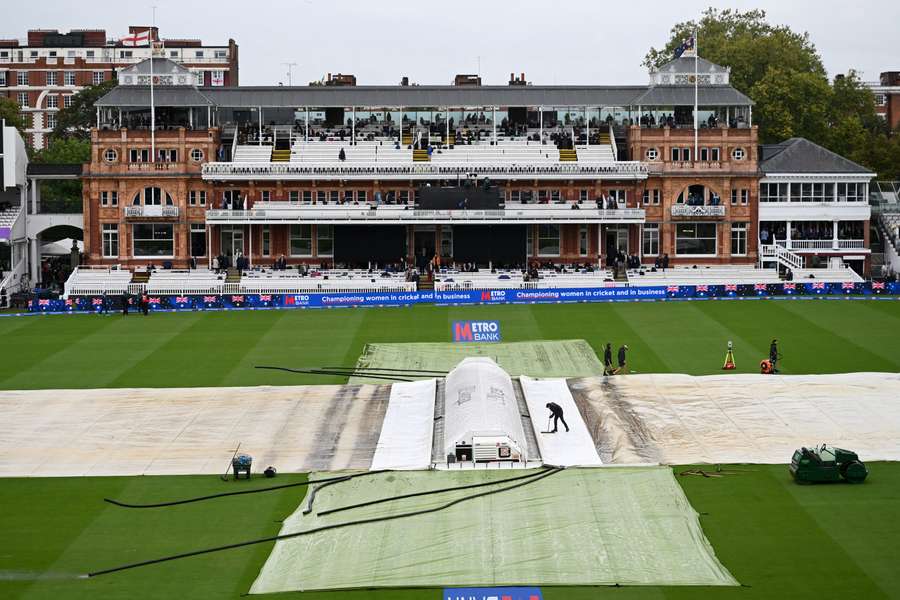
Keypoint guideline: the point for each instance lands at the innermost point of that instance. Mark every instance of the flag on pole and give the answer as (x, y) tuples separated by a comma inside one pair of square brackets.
[(138, 38), (687, 44)]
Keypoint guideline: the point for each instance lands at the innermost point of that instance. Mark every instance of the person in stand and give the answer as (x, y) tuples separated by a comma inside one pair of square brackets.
[(556, 413), (774, 355), (665, 261), (342, 156), (145, 303), (607, 359), (104, 304), (621, 368), (126, 300)]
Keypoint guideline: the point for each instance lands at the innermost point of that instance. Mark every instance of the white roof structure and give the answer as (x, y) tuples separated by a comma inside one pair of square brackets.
[(479, 400)]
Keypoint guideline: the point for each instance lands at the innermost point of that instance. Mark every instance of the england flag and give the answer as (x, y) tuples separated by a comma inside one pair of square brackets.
[(138, 38)]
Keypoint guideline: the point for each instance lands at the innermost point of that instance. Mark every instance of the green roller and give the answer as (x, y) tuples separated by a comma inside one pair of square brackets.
[(827, 464)]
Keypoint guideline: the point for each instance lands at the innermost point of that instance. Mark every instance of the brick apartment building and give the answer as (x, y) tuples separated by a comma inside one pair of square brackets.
[(43, 72), (887, 97)]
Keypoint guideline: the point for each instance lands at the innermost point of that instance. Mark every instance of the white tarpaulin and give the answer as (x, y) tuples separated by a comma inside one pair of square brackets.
[(679, 419), (479, 398), (564, 448), (175, 431), (406, 432)]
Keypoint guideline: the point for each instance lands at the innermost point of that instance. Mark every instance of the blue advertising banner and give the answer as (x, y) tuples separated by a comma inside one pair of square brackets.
[(810, 289), (475, 331), (496, 593)]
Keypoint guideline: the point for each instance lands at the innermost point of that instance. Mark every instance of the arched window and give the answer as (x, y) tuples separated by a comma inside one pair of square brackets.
[(152, 196), (698, 195)]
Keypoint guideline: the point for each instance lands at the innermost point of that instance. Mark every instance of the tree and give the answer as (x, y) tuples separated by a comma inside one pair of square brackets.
[(77, 120), (64, 195), (782, 72), (11, 112)]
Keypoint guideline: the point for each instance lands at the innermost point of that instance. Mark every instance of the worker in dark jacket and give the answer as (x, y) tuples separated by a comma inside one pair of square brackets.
[(622, 350), (556, 413), (607, 359), (774, 355)]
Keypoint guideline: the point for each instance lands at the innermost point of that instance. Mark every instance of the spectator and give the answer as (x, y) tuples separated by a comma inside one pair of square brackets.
[(342, 156), (665, 261)]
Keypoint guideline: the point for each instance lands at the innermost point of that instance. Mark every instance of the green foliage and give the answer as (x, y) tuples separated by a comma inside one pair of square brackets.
[(11, 111), (782, 72), (63, 196), (77, 120)]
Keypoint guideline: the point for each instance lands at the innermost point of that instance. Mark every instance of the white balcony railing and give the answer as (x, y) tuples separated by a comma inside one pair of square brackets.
[(685, 210), (222, 170), (824, 244), (305, 214), (151, 211)]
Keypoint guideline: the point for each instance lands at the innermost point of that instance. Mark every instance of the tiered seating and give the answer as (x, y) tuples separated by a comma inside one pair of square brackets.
[(281, 155), (361, 154), (87, 281), (267, 281), (252, 153), (484, 279), (175, 281), (596, 153), (828, 275), (707, 275)]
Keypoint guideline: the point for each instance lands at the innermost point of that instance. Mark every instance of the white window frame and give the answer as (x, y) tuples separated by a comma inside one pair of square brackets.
[(557, 237), (69, 78), (52, 101), (51, 121), (109, 198), (110, 155), (291, 237), (320, 237), (650, 239), (52, 78), (294, 196), (652, 154), (98, 77), (266, 241), (738, 154), (197, 228), (68, 100), (23, 99), (110, 240), (154, 226), (715, 244), (22, 78), (584, 241), (196, 154), (197, 197), (265, 195), (741, 229)]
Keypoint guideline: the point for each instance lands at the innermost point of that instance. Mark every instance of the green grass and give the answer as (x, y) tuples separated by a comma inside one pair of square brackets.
[(221, 348), (779, 539)]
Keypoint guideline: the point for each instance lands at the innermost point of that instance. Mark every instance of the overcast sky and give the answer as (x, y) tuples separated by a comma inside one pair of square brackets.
[(591, 42)]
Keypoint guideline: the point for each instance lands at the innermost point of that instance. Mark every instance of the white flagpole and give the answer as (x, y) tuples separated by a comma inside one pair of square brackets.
[(152, 102), (696, 99)]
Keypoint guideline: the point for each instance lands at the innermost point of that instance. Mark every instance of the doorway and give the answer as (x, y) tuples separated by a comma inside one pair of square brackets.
[(424, 245), (616, 240), (232, 240)]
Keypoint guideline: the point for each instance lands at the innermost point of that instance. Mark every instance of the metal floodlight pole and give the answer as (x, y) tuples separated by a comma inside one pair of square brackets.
[(696, 97)]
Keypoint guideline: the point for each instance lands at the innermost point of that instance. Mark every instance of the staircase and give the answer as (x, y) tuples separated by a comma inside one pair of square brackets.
[(279, 155), (568, 155), (406, 139), (426, 282), (450, 140), (781, 255), (421, 156), (233, 276), (140, 277), (604, 139)]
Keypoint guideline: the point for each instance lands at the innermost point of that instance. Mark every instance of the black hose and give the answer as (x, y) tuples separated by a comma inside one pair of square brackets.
[(286, 536), (431, 371), (311, 496), (240, 493), (337, 373), (439, 491)]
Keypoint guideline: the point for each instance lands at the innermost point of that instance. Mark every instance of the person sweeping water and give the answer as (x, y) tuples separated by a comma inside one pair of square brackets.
[(556, 414)]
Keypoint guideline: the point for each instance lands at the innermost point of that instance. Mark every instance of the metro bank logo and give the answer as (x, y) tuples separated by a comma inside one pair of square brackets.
[(493, 296), (476, 331), (498, 593)]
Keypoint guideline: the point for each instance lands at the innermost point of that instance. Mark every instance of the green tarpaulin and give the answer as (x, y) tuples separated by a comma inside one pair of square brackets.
[(558, 358), (593, 526)]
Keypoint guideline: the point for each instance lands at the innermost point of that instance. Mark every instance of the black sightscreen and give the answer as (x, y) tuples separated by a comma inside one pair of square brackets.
[(359, 244), (454, 198), (500, 244)]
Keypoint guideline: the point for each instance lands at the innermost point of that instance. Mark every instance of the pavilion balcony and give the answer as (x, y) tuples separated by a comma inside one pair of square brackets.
[(272, 213), (143, 212), (241, 171), (703, 211)]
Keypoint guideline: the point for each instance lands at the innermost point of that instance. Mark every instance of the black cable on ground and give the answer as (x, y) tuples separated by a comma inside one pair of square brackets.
[(238, 493), (286, 536), (432, 371), (311, 496), (429, 493), (337, 373)]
